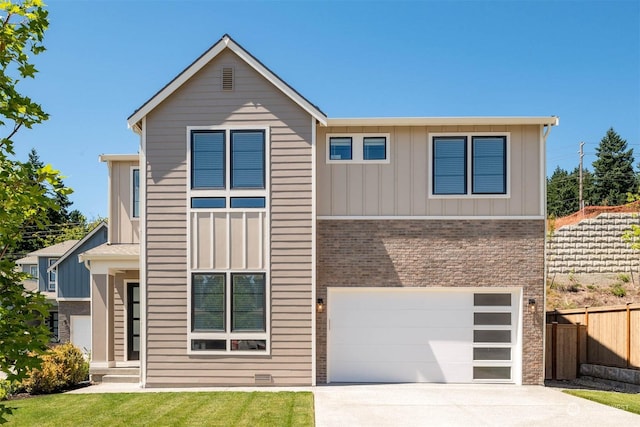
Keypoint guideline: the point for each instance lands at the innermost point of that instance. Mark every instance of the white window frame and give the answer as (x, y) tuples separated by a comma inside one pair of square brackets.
[(33, 268), (50, 288), (227, 193), (469, 169), (131, 197), (357, 147), (229, 335)]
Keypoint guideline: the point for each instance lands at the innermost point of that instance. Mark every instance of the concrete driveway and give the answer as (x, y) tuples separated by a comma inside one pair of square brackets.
[(459, 405)]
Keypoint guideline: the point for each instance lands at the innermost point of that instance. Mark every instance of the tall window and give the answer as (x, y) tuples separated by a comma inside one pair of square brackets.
[(489, 164), (53, 274), (208, 159), (469, 165), (33, 271), (135, 192), (247, 159), (450, 165)]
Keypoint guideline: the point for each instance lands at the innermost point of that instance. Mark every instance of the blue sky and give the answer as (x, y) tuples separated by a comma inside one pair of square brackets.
[(579, 60)]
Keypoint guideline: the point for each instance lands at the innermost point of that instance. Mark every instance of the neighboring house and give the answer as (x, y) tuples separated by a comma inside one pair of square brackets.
[(254, 240), (58, 274)]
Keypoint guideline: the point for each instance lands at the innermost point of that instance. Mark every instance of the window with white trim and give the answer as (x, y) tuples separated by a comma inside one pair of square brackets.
[(469, 165), (229, 180), (53, 275), (135, 192), (358, 148), (228, 312), (228, 168), (33, 271)]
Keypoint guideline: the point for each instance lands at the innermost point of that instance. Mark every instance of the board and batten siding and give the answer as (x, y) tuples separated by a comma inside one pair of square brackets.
[(73, 277), (123, 228), (200, 102), (401, 187)]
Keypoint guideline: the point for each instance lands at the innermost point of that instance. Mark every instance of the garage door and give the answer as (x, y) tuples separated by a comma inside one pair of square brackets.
[(422, 335), (81, 333)]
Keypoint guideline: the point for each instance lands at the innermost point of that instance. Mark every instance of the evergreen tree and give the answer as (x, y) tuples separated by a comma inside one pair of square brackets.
[(563, 191), (613, 170), (35, 236)]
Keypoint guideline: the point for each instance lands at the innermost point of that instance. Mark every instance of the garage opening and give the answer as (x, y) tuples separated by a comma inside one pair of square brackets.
[(440, 335)]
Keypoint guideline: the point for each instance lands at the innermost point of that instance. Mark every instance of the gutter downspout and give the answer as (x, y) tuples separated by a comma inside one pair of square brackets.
[(544, 133)]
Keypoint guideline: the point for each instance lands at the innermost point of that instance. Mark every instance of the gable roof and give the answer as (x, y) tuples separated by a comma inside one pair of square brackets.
[(78, 243), (56, 250), (27, 260), (226, 42)]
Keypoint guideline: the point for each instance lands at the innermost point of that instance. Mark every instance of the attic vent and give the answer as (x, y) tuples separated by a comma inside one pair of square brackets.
[(263, 378), (227, 78)]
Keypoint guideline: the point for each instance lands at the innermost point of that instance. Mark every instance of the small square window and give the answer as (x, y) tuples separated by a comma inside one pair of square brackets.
[(340, 148), (374, 148)]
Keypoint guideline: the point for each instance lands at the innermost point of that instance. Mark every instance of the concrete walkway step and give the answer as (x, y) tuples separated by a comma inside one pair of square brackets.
[(119, 378)]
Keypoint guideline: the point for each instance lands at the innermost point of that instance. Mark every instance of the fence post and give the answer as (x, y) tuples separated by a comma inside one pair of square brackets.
[(586, 341), (628, 335), (554, 350), (577, 349)]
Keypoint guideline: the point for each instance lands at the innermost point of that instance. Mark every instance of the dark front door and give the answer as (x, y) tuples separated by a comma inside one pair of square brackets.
[(133, 321)]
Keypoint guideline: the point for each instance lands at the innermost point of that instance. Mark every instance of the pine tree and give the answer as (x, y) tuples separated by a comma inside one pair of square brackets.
[(57, 215), (614, 177)]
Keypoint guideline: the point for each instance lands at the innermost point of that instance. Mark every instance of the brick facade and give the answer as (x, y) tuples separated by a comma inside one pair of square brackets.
[(66, 309), (429, 253)]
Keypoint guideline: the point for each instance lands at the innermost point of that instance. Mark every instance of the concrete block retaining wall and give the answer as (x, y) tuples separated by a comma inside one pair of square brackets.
[(593, 246)]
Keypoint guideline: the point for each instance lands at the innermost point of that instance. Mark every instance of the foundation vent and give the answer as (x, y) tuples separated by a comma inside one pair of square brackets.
[(263, 379), (227, 78)]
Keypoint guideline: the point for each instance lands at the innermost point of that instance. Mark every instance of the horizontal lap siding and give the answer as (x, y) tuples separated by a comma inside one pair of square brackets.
[(200, 103), (123, 228)]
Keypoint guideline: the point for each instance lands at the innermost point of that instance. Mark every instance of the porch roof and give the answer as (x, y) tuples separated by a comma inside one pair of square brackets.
[(106, 251)]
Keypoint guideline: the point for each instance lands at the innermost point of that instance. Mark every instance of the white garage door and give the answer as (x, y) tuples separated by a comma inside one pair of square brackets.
[(81, 332), (422, 335)]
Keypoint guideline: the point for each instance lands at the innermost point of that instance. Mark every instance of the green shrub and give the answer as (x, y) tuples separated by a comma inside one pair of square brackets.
[(62, 367), (7, 388), (618, 290), (623, 277)]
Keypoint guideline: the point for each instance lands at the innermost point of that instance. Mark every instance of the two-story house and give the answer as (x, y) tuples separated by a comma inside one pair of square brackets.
[(55, 271), (254, 240)]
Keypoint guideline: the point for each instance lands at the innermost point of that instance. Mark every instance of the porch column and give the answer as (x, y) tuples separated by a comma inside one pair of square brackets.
[(101, 320)]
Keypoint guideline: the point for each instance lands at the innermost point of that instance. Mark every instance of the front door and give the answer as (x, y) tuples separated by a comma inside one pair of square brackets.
[(133, 321)]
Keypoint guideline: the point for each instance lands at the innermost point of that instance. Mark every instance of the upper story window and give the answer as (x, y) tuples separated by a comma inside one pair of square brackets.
[(358, 148), (228, 168), (242, 168), (135, 193), (53, 274), (33, 271), (469, 165)]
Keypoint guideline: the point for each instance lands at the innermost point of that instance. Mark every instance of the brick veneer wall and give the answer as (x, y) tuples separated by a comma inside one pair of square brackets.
[(429, 253), (594, 245), (66, 309)]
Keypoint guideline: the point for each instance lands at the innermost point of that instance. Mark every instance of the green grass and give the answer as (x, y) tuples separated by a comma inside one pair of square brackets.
[(165, 409), (624, 401)]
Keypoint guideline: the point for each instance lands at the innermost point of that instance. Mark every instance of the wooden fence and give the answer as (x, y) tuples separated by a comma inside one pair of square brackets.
[(608, 336)]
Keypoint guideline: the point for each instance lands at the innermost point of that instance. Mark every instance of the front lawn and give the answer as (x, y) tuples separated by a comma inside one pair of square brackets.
[(166, 409), (625, 401)]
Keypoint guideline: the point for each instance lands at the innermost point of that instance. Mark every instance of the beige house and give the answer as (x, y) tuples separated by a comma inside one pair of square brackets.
[(254, 240)]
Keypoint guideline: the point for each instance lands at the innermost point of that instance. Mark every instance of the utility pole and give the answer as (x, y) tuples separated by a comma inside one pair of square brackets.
[(581, 152)]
